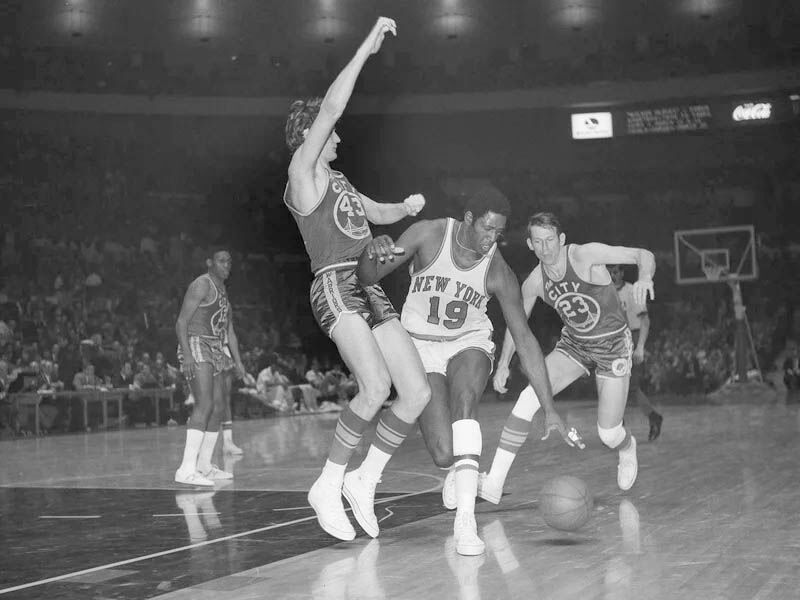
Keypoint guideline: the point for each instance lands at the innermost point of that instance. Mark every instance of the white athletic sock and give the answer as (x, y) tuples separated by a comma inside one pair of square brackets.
[(501, 465), (333, 471), (207, 451), (375, 462), (467, 446), (194, 438), (526, 405), (466, 485)]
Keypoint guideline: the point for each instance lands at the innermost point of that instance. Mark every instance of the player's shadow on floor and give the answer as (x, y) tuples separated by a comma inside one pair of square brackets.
[(565, 541)]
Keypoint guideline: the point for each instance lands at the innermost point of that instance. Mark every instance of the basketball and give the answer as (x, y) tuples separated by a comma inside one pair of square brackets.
[(565, 503)]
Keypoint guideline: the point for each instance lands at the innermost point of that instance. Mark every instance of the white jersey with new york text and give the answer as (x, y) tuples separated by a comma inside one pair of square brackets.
[(444, 301)]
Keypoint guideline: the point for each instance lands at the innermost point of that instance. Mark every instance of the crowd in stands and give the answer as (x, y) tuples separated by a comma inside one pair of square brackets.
[(100, 315), (78, 315), (93, 270)]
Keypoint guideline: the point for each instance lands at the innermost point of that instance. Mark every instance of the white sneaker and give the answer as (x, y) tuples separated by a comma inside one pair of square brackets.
[(325, 497), (628, 467), (359, 489), (488, 489), (449, 490), (465, 534), (232, 448), (192, 478), (217, 474)]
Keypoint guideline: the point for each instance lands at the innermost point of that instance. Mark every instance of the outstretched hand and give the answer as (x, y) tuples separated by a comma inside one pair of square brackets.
[(383, 248), (553, 422), (375, 38)]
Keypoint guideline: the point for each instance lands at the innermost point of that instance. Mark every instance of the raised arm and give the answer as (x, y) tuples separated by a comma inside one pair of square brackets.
[(194, 296), (385, 214), (383, 255), (503, 285), (531, 290), (596, 253), (336, 99)]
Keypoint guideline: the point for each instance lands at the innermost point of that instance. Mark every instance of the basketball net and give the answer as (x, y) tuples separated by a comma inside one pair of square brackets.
[(714, 272)]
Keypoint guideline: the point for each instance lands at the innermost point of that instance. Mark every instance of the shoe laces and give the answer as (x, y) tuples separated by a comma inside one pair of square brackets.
[(626, 459), (467, 522), (370, 483)]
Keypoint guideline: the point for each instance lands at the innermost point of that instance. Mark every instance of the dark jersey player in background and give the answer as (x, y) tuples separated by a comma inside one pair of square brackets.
[(205, 334), (574, 280), (333, 218), (639, 322)]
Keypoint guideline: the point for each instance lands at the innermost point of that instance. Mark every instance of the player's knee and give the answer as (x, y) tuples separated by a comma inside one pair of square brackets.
[(442, 454), (613, 436), (421, 395), (375, 390), (198, 420)]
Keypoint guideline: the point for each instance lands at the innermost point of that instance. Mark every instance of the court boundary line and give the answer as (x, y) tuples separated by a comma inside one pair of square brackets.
[(226, 538)]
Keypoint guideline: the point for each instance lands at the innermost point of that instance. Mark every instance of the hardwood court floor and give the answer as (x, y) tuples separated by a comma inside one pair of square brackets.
[(715, 514)]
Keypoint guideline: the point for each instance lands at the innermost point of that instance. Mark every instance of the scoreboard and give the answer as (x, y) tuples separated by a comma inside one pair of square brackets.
[(686, 116), (667, 119)]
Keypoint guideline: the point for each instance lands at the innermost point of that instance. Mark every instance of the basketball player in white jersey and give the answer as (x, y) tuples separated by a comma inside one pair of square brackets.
[(455, 269)]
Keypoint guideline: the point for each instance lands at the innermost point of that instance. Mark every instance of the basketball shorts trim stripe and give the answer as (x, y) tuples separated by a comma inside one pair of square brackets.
[(609, 356), (206, 350), (337, 292)]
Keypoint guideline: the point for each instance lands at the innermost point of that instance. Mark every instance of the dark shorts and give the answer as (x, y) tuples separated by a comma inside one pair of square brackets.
[(336, 292), (610, 356), (207, 350)]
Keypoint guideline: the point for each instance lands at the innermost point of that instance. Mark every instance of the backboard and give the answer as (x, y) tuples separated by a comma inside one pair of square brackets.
[(715, 254)]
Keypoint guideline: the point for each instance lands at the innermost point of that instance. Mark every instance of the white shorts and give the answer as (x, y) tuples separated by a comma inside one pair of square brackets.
[(436, 354)]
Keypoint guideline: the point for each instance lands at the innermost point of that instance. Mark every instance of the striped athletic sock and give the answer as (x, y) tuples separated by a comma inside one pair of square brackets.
[(515, 432), (389, 434), (349, 430), (466, 483), (467, 447), (227, 432)]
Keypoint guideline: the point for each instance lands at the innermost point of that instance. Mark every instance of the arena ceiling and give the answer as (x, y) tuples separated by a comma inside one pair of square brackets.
[(298, 32)]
